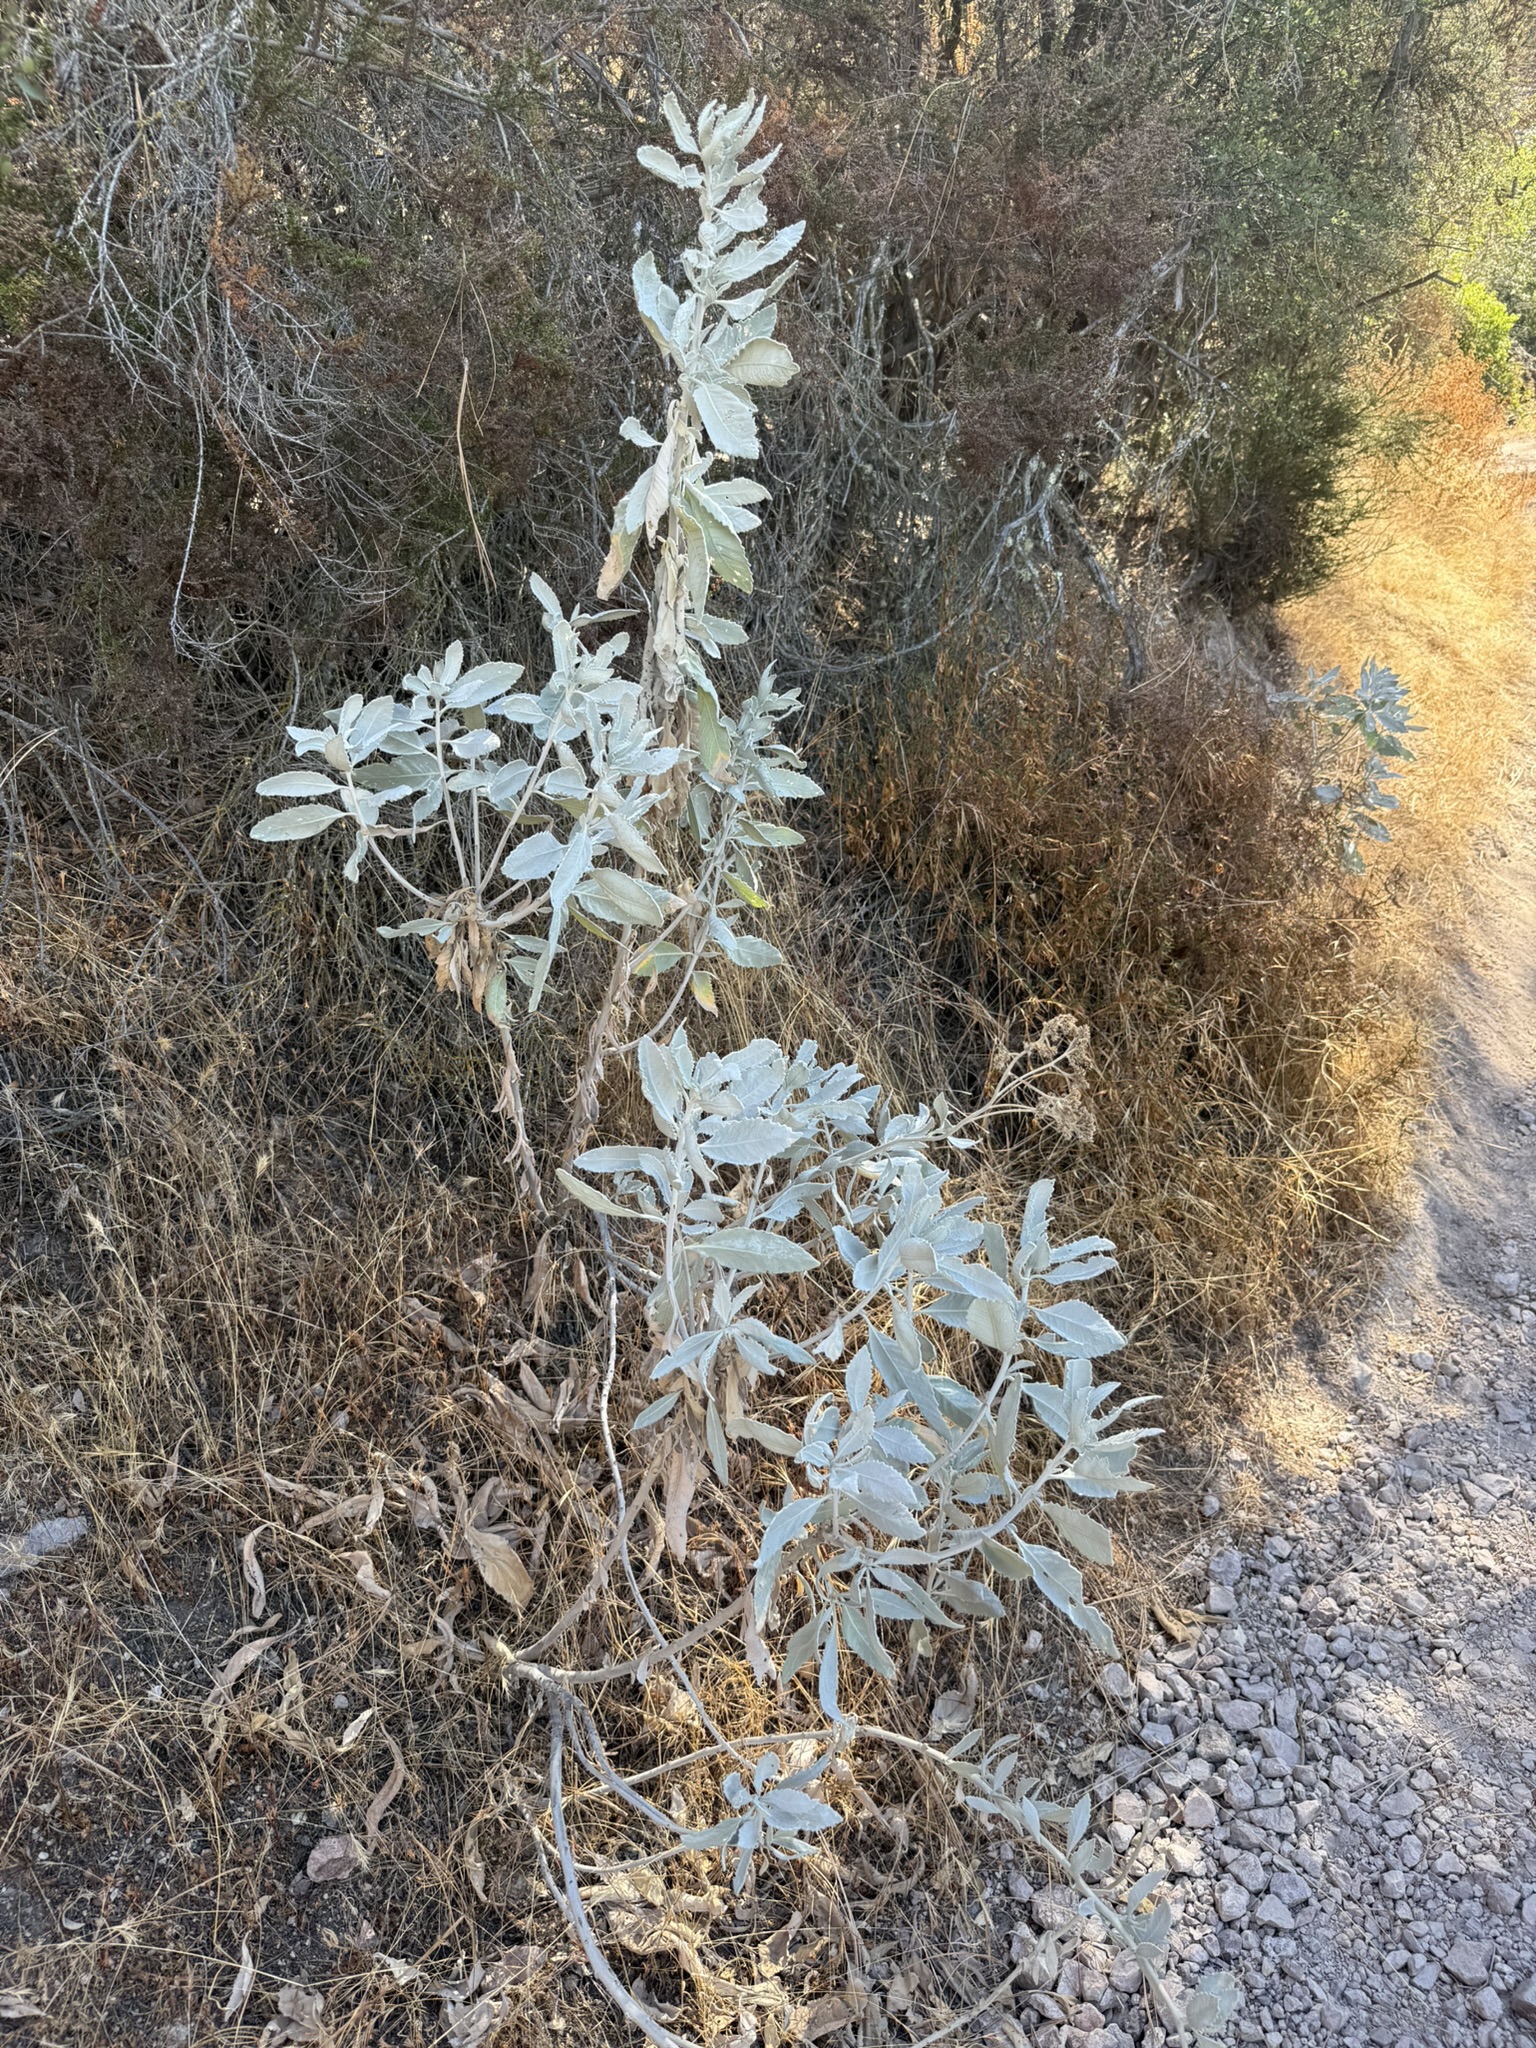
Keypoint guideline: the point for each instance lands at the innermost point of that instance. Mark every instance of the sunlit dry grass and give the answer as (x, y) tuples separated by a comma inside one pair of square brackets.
[(1439, 586)]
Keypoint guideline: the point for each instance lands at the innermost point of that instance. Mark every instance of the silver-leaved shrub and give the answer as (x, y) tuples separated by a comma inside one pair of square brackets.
[(956, 1423)]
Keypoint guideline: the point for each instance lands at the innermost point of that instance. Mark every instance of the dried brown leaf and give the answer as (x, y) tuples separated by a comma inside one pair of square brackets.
[(240, 1990), (681, 1481), (953, 1712), (837, 2009), (362, 1564), (298, 2022), (387, 1794), (253, 1572), (232, 1672), (490, 1547), (477, 2003)]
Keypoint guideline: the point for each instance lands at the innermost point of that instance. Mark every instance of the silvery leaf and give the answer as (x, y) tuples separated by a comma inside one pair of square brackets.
[(746, 1141), (533, 858), (297, 782), (302, 822), (755, 1251), (1082, 1332)]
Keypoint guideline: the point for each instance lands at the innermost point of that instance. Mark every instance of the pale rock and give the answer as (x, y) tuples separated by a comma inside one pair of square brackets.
[(333, 1858), (1240, 1717), (1501, 1897), (43, 1539), (1233, 1902), (1226, 1567), (1469, 1961), (1214, 1744), (1125, 1975), (1199, 1809), (1244, 1868), (1522, 2000), (1274, 1912), (1115, 1683), (1401, 1805), (1486, 2004), (1292, 1890), (1283, 1748), (1054, 1909)]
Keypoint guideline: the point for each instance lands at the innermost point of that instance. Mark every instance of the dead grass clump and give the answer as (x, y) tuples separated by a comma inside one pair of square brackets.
[(1438, 586), (1147, 862)]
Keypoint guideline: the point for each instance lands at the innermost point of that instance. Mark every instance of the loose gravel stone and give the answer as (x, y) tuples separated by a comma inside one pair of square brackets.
[(1468, 1961), (1241, 1717), (1199, 1809)]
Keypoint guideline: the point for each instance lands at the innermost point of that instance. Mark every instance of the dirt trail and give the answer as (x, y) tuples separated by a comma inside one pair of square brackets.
[(1352, 1781)]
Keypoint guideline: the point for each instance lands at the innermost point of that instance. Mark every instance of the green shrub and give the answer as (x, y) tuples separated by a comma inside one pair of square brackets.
[(1485, 329)]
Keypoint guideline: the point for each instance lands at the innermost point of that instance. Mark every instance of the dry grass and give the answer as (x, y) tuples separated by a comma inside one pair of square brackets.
[(1149, 864), (264, 1270), (262, 1260), (1439, 587)]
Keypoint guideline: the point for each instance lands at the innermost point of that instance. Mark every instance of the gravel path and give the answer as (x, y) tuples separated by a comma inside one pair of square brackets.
[(1356, 1760), (1340, 1772)]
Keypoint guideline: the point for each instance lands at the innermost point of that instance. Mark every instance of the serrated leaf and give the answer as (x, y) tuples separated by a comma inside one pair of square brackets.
[(656, 958), (1005, 1430), (747, 1141), (765, 1434), (1080, 1331), (622, 898), (533, 859), (747, 893), (994, 1323), (714, 1436)]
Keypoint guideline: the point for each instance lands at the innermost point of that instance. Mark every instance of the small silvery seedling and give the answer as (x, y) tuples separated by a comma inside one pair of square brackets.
[(950, 1437), (1368, 722)]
